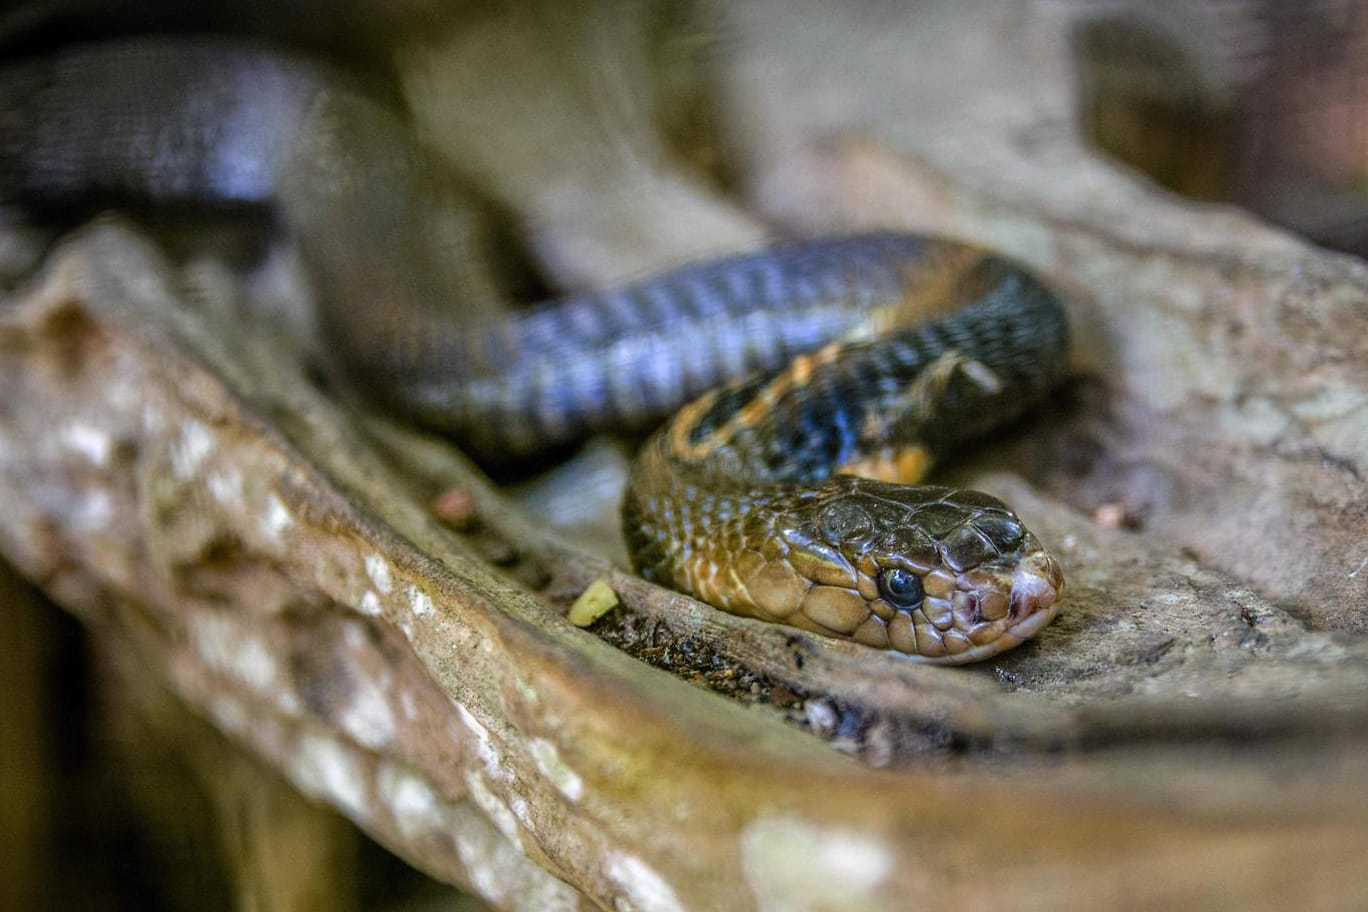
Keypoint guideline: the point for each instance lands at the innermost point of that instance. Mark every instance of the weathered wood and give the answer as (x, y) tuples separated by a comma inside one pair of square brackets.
[(1193, 720)]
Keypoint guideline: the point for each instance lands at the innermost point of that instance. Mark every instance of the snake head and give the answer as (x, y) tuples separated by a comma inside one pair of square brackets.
[(947, 576)]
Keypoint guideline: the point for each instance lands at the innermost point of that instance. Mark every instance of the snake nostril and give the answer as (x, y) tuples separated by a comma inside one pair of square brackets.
[(968, 608)]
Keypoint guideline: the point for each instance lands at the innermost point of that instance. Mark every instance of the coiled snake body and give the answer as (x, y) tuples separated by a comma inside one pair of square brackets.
[(789, 494), (792, 496)]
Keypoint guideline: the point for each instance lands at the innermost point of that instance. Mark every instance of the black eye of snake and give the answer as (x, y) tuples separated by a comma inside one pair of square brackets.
[(900, 588)]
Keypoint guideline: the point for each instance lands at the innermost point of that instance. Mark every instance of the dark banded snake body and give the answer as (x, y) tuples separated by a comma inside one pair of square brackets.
[(810, 396)]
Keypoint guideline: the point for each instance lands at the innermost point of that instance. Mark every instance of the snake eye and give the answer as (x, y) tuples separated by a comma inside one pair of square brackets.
[(900, 588)]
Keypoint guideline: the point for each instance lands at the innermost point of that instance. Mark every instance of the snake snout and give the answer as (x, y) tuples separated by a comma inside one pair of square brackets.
[(1037, 589)]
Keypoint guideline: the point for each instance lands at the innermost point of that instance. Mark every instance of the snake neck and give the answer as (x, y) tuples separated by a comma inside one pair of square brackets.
[(689, 526)]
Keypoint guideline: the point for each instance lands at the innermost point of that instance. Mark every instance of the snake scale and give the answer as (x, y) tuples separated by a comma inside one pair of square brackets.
[(815, 394)]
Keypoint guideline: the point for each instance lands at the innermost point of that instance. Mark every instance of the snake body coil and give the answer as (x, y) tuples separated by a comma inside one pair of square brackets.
[(749, 497)]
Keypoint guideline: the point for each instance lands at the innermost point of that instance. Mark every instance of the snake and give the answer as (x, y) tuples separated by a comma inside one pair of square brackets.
[(805, 390)]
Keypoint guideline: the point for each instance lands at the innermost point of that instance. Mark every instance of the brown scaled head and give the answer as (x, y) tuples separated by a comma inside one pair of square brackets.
[(947, 576)]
